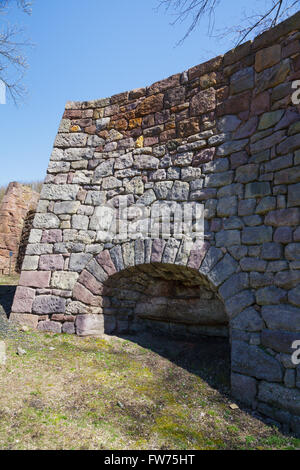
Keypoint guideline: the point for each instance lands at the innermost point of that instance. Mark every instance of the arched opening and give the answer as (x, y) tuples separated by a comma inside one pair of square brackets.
[(24, 239), (176, 312), (163, 298)]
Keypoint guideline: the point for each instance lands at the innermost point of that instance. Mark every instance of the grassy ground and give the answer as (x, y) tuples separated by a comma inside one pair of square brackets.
[(111, 393)]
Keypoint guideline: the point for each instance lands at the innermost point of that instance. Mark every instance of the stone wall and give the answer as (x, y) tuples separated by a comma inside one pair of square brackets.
[(15, 208), (224, 133)]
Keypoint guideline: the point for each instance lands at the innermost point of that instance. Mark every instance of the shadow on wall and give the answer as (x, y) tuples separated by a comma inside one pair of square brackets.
[(7, 294), (173, 311), (163, 298), (24, 239)]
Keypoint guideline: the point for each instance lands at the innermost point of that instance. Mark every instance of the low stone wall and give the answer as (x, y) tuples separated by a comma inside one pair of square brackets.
[(15, 210), (225, 134)]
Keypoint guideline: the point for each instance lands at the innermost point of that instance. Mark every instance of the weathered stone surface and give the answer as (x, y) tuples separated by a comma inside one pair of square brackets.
[(294, 296), (235, 284), (265, 205), (222, 270), (247, 173), (213, 256), (68, 328), (17, 205), (78, 261), (242, 81), (292, 252), (231, 147), (253, 361), (294, 195), (257, 190), (50, 326), (51, 263), (280, 397), (282, 317), (23, 300), (46, 221), (243, 388), (279, 340), (267, 57), (203, 102), (256, 235), (53, 192), (271, 251), (151, 104), (288, 176), (228, 238), (284, 217), (64, 280), (272, 76), (35, 279), (248, 320), (287, 279), (48, 304), (234, 305), (270, 295), (89, 325)]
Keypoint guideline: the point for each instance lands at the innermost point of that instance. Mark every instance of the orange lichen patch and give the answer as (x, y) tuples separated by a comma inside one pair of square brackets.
[(75, 129)]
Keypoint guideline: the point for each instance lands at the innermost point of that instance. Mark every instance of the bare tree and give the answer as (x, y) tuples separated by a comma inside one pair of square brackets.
[(12, 60), (251, 24)]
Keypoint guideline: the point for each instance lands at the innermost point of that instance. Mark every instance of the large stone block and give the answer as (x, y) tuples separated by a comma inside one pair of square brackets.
[(248, 320), (282, 317), (256, 235), (48, 304), (89, 325), (223, 270), (64, 280), (253, 361), (50, 326), (280, 397), (243, 388), (279, 340), (23, 300), (38, 279)]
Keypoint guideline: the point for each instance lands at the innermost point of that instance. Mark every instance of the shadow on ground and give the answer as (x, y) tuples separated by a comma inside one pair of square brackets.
[(6, 299), (206, 357)]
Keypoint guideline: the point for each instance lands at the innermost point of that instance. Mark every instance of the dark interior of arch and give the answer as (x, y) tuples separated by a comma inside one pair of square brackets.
[(163, 298)]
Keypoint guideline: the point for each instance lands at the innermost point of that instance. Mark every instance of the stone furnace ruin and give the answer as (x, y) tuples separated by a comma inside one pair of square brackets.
[(225, 134), (17, 210)]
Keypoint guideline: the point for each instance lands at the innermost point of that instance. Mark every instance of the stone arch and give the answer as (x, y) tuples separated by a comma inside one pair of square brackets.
[(204, 265)]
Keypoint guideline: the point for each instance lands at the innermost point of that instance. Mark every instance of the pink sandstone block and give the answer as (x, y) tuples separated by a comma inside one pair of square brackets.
[(51, 263), (40, 279), (24, 319), (197, 255), (158, 246), (52, 236), (23, 300), (82, 294), (88, 281), (106, 263)]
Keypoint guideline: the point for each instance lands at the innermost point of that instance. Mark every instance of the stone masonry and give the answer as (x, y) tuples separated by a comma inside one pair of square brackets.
[(226, 134), (18, 202)]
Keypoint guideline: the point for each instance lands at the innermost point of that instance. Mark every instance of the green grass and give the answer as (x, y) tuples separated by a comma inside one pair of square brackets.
[(107, 393)]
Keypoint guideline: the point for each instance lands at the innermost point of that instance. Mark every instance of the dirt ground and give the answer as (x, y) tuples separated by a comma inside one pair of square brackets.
[(140, 392)]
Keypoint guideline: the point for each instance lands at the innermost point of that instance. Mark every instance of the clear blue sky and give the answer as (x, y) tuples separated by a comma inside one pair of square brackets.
[(88, 50)]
